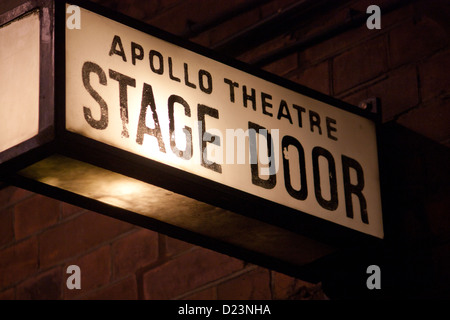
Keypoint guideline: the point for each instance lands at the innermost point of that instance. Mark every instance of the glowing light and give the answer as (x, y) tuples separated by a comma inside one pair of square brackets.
[(124, 187), (19, 81)]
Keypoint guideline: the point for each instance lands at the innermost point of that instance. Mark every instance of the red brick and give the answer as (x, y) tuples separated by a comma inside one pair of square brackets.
[(206, 294), (342, 42), (18, 261), (414, 40), (434, 76), (327, 20), (6, 227), (430, 120), (125, 289), (233, 26), (202, 39), (331, 47), (315, 77), (11, 195), (95, 270), (78, 235), (45, 286), (108, 3), (359, 64), (134, 251), (391, 19), (67, 210), (138, 9), (176, 18), (361, 5), (167, 5), (279, 67), (187, 272), (167, 22), (9, 294), (283, 66), (35, 214), (274, 6), (175, 246), (398, 92), (356, 97), (286, 287), (254, 285)]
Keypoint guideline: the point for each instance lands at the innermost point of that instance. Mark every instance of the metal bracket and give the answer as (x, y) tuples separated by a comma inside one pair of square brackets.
[(372, 104)]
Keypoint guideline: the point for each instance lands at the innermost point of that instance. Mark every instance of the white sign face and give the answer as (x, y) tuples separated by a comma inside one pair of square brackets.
[(19, 80), (141, 94)]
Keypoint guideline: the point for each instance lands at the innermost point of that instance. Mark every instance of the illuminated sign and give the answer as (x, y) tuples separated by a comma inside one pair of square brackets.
[(138, 113), (145, 95)]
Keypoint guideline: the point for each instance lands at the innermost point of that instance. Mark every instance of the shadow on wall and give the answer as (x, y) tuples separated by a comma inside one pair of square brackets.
[(414, 257)]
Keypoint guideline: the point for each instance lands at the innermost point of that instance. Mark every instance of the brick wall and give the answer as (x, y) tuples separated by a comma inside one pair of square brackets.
[(405, 64), (40, 237)]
